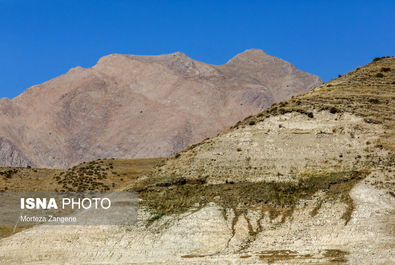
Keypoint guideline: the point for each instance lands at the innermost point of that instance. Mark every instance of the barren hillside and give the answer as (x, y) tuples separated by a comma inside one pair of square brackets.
[(310, 180), (129, 106), (98, 175)]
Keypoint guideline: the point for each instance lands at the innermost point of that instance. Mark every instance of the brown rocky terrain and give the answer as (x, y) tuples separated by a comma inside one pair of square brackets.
[(129, 106), (309, 180)]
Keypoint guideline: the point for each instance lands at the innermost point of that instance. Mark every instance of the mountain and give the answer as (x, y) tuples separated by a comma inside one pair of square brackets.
[(308, 181), (129, 106)]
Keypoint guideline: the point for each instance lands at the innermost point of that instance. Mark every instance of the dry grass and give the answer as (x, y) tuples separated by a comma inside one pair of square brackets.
[(359, 92), (121, 172), (104, 174), (6, 231), (28, 179), (118, 171)]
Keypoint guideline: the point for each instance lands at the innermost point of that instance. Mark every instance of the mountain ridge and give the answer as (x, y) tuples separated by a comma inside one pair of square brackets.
[(103, 111)]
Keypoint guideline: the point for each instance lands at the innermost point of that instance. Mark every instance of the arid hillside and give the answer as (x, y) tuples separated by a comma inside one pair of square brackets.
[(308, 181), (129, 106), (101, 175)]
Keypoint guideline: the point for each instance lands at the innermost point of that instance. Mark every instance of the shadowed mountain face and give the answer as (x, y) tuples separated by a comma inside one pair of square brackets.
[(129, 106)]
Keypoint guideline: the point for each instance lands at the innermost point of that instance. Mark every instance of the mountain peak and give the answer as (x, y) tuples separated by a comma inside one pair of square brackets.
[(179, 54), (248, 55), (178, 100), (253, 51)]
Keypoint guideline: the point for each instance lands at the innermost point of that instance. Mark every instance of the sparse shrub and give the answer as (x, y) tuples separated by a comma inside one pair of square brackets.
[(154, 218), (379, 75), (238, 149), (333, 110), (251, 123), (385, 69), (374, 101), (379, 58)]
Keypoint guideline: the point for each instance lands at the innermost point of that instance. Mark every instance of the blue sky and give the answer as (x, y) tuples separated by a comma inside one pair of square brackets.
[(42, 39)]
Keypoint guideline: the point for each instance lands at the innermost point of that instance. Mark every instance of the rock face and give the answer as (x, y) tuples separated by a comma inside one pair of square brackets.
[(130, 106), (10, 155), (206, 237)]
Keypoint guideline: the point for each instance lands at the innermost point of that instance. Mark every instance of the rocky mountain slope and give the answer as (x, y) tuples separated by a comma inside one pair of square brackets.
[(129, 106), (309, 180)]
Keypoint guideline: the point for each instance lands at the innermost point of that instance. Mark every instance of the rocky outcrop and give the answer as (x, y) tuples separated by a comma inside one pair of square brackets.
[(205, 236), (129, 106), (10, 155)]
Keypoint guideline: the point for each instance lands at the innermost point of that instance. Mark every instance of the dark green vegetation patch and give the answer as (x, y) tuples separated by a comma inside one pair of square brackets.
[(277, 198)]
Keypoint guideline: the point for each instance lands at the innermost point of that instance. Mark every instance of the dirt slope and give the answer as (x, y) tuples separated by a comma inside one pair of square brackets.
[(129, 106)]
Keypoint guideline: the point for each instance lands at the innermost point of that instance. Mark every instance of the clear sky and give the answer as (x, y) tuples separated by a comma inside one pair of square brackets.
[(41, 39)]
